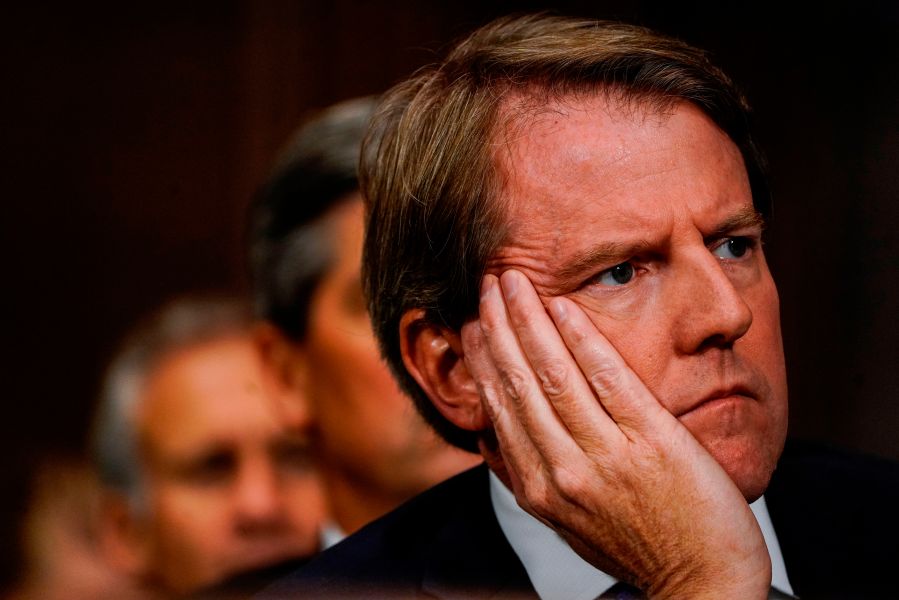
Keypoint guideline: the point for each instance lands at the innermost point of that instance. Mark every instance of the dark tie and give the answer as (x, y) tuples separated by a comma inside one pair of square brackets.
[(622, 591)]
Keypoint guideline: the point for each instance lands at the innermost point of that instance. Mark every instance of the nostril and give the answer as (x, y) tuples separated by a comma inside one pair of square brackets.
[(718, 341)]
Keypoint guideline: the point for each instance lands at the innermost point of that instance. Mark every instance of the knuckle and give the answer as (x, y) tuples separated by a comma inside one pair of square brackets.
[(606, 377), (490, 401), (488, 326), (554, 377), (514, 384), (527, 319), (473, 342), (536, 499), (571, 484), (578, 336), (489, 323)]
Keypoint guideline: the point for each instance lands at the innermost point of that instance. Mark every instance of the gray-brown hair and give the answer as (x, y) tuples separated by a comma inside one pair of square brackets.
[(432, 186), (291, 238)]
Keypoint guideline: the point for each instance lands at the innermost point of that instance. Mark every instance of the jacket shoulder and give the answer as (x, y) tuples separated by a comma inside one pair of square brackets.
[(836, 520), (446, 536)]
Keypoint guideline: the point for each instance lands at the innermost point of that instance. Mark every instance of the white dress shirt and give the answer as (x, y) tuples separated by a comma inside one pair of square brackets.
[(329, 534), (559, 573)]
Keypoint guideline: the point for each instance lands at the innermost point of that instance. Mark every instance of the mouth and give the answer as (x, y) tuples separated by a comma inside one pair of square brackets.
[(719, 396), (258, 556)]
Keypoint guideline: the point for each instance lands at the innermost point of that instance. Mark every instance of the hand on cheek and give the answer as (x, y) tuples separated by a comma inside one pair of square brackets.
[(590, 451)]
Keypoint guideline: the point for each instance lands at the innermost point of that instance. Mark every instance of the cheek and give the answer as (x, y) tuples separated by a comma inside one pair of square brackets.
[(191, 518), (306, 509), (346, 366), (764, 346), (358, 403), (764, 336), (638, 329)]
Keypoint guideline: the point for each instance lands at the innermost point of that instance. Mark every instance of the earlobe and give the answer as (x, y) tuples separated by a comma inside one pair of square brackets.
[(284, 374), (433, 355)]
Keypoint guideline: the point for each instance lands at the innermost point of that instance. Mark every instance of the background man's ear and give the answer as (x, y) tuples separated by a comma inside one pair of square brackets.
[(122, 536), (285, 374), (433, 356)]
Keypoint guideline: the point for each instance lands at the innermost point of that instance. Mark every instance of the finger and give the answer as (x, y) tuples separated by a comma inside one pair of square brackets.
[(516, 447), (522, 391), (530, 473), (623, 394), (559, 375)]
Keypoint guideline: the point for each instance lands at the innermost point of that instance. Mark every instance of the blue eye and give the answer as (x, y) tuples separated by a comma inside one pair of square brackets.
[(617, 275), (733, 248)]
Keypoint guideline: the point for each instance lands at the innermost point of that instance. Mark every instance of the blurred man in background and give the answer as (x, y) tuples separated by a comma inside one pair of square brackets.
[(62, 557), (372, 448), (202, 480)]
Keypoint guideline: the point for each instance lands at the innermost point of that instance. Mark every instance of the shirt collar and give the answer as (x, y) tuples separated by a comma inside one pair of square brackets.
[(329, 534), (778, 568), (558, 572)]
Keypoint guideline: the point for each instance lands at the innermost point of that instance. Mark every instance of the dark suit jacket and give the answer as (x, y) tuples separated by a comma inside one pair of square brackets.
[(835, 517)]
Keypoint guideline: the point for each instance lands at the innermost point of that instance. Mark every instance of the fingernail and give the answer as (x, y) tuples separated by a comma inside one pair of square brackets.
[(509, 282), (558, 310)]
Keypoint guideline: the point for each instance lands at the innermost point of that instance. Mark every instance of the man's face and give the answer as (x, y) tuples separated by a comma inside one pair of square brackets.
[(228, 488), (368, 433), (646, 221)]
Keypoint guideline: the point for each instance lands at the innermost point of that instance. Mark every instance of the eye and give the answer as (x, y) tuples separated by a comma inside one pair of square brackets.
[(733, 248), (617, 275), (210, 469), (293, 455)]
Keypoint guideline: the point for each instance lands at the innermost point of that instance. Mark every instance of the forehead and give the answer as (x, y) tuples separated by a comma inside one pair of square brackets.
[(588, 169), (205, 394)]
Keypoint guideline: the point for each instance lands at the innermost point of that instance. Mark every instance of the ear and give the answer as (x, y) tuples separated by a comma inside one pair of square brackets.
[(433, 356), (285, 374), (122, 535)]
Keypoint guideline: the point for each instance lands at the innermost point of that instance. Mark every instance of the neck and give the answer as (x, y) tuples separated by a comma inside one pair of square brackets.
[(353, 503)]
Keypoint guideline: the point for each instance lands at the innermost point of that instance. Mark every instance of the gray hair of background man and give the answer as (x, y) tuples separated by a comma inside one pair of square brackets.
[(290, 236), (429, 175), (179, 324)]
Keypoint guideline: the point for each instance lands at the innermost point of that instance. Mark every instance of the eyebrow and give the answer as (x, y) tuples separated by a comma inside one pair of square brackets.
[(604, 253), (613, 253), (747, 218)]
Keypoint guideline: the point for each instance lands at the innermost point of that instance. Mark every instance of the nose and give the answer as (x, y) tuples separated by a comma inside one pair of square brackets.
[(711, 309), (258, 500)]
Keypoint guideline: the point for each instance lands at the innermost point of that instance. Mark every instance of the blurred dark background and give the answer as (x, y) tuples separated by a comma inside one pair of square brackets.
[(135, 134)]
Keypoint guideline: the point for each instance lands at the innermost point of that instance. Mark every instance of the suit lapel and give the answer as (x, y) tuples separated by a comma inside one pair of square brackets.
[(471, 557)]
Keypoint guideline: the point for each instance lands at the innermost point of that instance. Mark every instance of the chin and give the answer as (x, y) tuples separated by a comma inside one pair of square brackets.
[(748, 461), (745, 439)]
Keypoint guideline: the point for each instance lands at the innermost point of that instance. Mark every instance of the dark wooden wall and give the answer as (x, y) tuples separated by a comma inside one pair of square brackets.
[(136, 132)]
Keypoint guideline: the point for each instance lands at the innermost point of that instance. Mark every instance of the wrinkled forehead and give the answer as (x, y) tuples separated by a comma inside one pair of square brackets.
[(528, 116), (522, 111), (204, 393), (586, 170)]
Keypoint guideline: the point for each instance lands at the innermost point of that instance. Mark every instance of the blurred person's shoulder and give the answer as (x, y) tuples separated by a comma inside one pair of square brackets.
[(247, 584), (445, 541)]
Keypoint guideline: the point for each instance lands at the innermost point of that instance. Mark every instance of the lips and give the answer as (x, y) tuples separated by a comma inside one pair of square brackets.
[(254, 555), (740, 390)]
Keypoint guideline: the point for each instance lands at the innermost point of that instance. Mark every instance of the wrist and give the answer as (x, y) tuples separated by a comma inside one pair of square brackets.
[(744, 579)]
